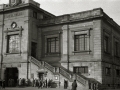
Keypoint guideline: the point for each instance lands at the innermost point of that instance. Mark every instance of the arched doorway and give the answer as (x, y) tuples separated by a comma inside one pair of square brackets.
[(11, 76)]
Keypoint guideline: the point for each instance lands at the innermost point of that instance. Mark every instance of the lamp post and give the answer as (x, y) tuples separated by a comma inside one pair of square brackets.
[(2, 44)]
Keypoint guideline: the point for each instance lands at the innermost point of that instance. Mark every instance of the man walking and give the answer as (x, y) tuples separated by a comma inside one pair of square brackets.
[(74, 85)]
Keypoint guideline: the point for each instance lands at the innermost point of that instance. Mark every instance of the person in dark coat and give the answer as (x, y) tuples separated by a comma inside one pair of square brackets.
[(3, 84), (0, 84), (65, 84), (74, 85)]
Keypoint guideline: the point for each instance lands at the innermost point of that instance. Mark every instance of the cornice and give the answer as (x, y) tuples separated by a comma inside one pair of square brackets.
[(27, 5)]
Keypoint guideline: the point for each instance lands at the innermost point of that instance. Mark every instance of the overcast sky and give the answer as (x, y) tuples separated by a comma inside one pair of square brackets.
[(60, 7)]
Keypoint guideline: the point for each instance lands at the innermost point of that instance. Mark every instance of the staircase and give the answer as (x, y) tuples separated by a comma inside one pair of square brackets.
[(83, 82)]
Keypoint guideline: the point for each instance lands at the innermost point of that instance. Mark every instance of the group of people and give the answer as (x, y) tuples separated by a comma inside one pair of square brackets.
[(2, 84), (11, 82), (40, 83)]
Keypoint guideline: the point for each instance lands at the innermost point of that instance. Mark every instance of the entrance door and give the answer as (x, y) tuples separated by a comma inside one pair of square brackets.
[(40, 75), (11, 76)]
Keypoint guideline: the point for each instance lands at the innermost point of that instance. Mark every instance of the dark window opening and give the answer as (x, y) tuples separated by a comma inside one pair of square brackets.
[(33, 49), (106, 44), (107, 71), (117, 72), (35, 14), (116, 49)]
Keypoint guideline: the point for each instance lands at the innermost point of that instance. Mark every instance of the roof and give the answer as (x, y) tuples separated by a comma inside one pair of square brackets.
[(79, 16)]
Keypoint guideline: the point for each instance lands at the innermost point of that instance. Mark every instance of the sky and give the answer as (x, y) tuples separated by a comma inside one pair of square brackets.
[(60, 7)]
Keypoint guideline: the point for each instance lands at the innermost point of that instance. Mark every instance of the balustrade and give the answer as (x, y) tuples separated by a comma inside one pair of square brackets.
[(65, 73)]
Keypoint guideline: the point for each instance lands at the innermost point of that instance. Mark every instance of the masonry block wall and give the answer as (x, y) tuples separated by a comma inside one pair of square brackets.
[(20, 17), (110, 60)]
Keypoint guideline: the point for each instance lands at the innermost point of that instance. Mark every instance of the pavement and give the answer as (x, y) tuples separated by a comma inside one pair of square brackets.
[(32, 88)]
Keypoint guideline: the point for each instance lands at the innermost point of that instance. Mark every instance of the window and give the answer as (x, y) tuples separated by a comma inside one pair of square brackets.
[(80, 42), (35, 14), (53, 45), (33, 49), (106, 44), (80, 70), (117, 72), (13, 44), (107, 71), (116, 49)]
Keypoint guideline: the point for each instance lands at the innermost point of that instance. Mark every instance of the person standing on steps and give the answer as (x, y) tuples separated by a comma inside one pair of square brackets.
[(74, 85)]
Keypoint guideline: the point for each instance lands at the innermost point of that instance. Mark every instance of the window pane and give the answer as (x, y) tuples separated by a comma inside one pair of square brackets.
[(76, 43), (116, 48), (57, 46), (13, 42), (106, 44), (80, 70), (80, 42), (52, 45)]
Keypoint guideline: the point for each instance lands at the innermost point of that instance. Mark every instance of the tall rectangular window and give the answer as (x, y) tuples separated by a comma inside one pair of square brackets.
[(107, 71), (33, 49), (116, 49), (117, 72), (53, 45), (80, 42), (35, 14), (106, 44), (13, 44), (79, 70)]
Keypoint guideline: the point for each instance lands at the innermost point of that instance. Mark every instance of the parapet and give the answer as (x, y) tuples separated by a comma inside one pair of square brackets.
[(19, 2)]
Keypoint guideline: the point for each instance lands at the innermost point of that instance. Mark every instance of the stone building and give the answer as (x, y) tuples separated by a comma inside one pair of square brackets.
[(37, 44)]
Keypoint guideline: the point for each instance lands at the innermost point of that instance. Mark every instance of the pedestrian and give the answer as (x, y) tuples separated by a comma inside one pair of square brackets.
[(33, 82), (3, 84), (65, 84), (74, 85), (39, 83), (20, 82), (0, 84), (17, 82), (46, 83)]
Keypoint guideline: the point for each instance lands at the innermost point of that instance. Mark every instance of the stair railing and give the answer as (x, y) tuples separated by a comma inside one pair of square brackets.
[(65, 73), (81, 80), (35, 61), (61, 71), (48, 66)]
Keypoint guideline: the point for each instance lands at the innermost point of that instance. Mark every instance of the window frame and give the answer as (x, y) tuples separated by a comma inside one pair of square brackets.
[(49, 42), (35, 14), (118, 72), (107, 71), (107, 46), (83, 68), (8, 43), (116, 48), (35, 49), (77, 47)]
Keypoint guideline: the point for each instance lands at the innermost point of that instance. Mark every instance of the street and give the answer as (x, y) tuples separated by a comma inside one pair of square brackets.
[(33, 88)]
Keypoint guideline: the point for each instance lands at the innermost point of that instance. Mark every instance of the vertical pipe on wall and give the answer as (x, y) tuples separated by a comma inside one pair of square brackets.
[(2, 45), (68, 46), (28, 44)]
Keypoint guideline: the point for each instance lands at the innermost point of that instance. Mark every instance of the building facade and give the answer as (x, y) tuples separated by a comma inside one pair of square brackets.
[(37, 44)]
